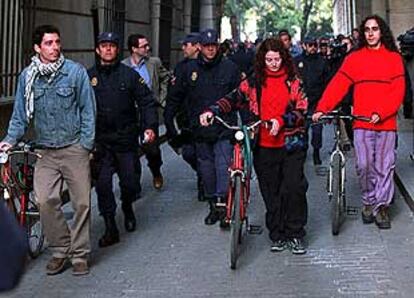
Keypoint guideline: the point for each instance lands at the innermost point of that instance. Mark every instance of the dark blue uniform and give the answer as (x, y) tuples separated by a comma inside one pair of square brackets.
[(314, 72), (121, 95), (200, 86)]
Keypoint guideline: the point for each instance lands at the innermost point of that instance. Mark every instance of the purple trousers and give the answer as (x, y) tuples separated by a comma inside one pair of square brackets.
[(375, 164)]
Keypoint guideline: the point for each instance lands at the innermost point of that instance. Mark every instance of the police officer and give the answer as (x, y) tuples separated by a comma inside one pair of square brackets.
[(204, 81), (314, 72), (119, 92), (183, 142)]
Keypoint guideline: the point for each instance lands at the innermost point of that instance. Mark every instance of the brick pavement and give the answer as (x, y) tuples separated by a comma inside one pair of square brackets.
[(173, 254)]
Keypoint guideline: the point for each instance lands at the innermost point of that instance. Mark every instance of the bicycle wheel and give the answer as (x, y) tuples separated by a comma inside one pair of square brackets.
[(337, 199), (235, 223), (34, 229)]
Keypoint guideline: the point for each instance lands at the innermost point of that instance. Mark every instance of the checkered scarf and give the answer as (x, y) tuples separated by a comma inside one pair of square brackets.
[(35, 69)]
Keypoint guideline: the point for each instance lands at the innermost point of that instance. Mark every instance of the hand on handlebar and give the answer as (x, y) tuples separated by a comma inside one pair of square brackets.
[(316, 116), (375, 118), (5, 146), (206, 118), (275, 126)]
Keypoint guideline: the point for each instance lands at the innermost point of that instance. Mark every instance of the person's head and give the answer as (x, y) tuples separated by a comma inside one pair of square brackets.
[(209, 44), (285, 38), (311, 46), (107, 47), (191, 45), (323, 46), (272, 55), (355, 34), (225, 47), (46, 43), (138, 46), (347, 41), (375, 32)]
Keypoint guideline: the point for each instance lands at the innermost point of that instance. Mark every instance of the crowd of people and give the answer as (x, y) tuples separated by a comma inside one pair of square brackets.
[(90, 124)]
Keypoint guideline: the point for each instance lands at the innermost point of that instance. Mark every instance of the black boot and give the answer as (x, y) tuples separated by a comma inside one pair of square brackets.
[(222, 210), (129, 217), (200, 189), (111, 235), (213, 215), (316, 157)]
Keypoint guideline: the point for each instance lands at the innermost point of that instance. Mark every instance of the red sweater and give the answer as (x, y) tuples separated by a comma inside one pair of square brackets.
[(379, 86), (273, 102)]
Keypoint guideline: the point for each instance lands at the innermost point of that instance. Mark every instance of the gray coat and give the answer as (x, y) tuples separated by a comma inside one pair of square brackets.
[(159, 77)]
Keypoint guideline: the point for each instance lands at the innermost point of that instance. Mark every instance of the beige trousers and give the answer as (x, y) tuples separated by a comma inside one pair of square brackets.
[(70, 165)]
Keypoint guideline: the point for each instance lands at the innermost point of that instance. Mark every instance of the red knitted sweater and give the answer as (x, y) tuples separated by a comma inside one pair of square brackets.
[(379, 86)]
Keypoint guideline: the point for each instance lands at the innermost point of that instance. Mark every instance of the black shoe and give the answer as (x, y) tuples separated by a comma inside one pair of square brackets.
[(297, 246), (367, 215), (316, 157), (111, 235), (382, 219), (129, 217), (278, 246), (213, 215)]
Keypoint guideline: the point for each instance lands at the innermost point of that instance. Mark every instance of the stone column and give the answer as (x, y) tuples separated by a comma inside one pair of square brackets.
[(187, 16), (206, 14), (155, 26)]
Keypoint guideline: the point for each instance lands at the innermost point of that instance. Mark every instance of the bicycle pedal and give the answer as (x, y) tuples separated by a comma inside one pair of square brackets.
[(350, 210), (255, 229)]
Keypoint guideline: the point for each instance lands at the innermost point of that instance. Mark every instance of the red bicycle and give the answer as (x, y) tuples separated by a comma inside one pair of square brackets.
[(238, 197), (16, 189)]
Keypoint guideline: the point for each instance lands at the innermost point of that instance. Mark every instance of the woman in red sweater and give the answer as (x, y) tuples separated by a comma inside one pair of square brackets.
[(275, 95), (376, 71)]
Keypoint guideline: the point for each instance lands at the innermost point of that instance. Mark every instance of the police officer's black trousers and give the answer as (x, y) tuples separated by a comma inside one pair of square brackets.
[(283, 186), (128, 168)]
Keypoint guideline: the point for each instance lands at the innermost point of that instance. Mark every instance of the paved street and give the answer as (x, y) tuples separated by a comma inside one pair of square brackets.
[(173, 254)]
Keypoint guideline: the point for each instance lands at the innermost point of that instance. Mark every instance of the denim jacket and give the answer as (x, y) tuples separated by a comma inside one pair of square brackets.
[(64, 110)]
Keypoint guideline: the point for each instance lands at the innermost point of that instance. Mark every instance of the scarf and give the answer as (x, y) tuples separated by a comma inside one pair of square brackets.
[(35, 69)]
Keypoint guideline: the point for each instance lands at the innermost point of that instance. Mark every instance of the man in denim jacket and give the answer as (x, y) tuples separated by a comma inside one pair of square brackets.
[(55, 92)]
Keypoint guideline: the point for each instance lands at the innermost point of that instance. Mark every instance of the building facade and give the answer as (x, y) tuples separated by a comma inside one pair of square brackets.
[(349, 14)]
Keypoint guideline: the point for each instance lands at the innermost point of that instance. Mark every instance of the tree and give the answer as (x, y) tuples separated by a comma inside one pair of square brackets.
[(308, 15)]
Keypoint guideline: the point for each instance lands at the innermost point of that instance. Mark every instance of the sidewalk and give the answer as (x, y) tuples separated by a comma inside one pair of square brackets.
[(404, 177)]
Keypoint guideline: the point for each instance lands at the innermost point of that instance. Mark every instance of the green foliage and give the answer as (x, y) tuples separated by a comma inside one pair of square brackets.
[(285, 14)]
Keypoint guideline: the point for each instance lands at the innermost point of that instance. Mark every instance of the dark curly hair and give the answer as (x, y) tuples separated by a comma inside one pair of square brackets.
[(272, 44), (387, 38)]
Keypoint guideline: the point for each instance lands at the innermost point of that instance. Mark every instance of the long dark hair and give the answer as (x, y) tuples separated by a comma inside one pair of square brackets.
[(387, 38), (272, 44)]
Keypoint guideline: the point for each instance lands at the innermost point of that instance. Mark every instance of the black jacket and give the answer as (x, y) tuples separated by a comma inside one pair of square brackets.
[(314, 72), (199, 86), (121, 98)]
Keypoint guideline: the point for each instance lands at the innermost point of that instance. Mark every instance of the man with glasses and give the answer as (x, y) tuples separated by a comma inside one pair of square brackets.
[(314, 72), (156, 76), (376, 72)]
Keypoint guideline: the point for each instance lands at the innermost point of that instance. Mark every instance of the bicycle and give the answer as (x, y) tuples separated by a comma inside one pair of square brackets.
[(16, 189), (337, 171), (238, 197)]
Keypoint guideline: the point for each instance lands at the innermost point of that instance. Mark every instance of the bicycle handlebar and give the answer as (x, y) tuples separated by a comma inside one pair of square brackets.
[(232, 127), (16, 150)]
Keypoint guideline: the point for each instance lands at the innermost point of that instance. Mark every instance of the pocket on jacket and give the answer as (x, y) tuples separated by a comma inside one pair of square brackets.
[(66, 95)]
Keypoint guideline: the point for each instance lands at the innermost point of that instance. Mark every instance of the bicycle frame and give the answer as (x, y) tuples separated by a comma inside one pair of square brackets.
[(338, 151)]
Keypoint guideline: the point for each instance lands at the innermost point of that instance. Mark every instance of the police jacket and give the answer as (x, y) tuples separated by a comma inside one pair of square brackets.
[(199, 86), (314, 72), (121, 97)]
